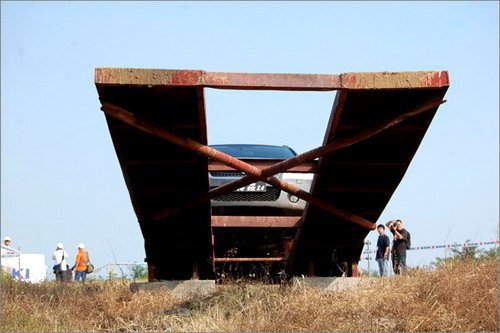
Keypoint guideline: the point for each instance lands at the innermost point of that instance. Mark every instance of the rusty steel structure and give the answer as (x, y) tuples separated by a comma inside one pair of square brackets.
[(156, 119)]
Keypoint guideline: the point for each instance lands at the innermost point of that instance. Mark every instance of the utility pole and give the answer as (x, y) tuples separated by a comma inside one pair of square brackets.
[(367, 243)]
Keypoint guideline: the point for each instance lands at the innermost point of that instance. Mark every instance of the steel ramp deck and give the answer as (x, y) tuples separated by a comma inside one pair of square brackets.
[(355, 181), (361, 178), (160, 175)]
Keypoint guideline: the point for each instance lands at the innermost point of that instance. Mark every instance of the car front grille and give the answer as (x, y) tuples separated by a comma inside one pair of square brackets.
[(272, 194)]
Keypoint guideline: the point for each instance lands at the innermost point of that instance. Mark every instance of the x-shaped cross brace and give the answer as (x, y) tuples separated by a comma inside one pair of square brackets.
[(254, 173)]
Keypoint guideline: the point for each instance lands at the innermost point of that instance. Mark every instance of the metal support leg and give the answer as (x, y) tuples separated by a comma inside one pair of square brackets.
[(310, 268), (354, 269), (196, 270), (151, 272)]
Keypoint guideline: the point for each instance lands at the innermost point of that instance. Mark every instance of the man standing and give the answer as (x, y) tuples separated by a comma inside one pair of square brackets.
[(61, 265), (383, 248), (81, 262), (400, 244), (6, 251)]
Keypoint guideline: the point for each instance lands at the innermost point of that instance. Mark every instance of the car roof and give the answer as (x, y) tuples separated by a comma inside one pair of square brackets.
[(243, 145), (247, 144)]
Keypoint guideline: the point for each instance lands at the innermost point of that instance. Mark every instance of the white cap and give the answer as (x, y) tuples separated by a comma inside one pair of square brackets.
[(81, 246), (60, 245), (7, 238)]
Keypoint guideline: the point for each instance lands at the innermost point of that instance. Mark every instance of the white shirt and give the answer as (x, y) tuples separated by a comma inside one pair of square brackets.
[(8, 250), (58, 258)]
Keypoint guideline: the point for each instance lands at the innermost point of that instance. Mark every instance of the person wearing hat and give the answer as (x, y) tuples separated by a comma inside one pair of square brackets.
[(6, 246), (81, 263), (7, 241), (60, 257)]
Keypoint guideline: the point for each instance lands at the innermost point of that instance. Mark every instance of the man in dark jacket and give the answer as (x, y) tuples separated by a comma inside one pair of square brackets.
[(383, 247), (401, 238)]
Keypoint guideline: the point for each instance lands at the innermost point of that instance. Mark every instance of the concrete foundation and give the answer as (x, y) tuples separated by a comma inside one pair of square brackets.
[(180, 288), (203, 288), (328, 284)]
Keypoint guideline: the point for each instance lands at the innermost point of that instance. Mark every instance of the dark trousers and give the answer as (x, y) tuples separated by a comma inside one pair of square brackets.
[(398, 262)]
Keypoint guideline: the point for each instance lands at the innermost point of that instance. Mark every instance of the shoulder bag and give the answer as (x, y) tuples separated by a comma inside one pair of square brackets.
[(90, 267)]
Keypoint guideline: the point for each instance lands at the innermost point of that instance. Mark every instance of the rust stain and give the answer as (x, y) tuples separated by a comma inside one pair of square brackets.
[(394, 80), (435, 79), (183, 77)]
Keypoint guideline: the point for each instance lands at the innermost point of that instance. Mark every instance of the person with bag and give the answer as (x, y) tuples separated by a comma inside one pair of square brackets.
[(61, 265), (82, 264)]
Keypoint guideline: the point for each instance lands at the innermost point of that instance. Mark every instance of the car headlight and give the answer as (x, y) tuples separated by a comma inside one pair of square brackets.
[(293, 198)]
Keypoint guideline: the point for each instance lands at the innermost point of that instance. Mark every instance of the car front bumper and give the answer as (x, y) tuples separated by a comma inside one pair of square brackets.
[(256, 203)]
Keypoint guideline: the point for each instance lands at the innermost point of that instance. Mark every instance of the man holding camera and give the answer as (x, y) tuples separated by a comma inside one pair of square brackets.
[(400, 244)]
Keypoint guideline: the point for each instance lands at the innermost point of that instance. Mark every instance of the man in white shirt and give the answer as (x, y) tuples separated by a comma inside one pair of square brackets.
[(6, 246), (60, 256), (9, 256)]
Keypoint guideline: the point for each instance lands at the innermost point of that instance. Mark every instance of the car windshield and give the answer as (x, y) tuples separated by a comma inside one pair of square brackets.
[(256, 151)]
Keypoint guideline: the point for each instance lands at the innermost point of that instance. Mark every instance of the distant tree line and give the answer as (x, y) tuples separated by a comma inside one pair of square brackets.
[(469, 253)]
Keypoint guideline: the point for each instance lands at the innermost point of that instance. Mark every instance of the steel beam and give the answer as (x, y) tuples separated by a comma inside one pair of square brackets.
[(309, 167), (323, 150), (153, 129), (304, 158), (256, 173), (298, 192), (257, 221), (325, 82), (269, 81), (250, 259)]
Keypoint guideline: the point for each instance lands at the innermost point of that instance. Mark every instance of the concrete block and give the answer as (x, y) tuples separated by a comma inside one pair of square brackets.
[(328, 284), (180, 288)]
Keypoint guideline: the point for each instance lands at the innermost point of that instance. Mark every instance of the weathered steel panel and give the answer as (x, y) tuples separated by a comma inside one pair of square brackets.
[(361, 178), (173, 249), (256, 221), (269, 81)]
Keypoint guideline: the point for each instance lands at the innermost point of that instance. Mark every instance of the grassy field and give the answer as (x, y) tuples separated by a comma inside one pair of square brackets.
[(459, 296)]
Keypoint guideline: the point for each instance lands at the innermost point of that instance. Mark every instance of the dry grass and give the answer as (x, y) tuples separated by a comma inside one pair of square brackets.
[(461, 296)]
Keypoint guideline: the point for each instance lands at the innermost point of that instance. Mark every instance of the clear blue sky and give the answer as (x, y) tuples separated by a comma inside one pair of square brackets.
[(60, 178)]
